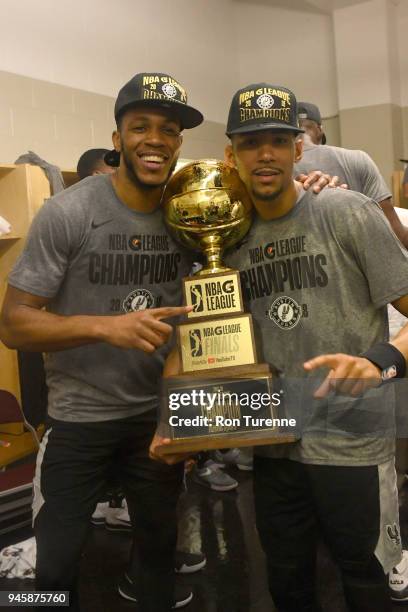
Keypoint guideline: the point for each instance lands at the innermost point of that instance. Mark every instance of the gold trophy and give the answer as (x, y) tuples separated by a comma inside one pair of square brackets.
[(210, 404)]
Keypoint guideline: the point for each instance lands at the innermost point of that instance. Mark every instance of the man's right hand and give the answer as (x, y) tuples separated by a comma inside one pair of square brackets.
[(27, 326), (170, 459), (318, 180), (144, 329)]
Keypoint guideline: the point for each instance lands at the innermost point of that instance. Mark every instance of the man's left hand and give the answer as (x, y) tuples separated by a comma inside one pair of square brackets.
[(348, 375), (318, 181)]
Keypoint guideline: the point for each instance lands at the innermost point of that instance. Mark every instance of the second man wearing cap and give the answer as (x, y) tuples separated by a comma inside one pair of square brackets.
[(326, 297)]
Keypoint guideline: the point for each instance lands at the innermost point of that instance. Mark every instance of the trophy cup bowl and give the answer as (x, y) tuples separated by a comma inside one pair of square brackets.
[(207, 208)]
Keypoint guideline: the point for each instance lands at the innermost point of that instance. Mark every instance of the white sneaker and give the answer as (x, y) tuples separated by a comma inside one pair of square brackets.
[(118, 519), (398, 579), (98, 517), (114, 519)]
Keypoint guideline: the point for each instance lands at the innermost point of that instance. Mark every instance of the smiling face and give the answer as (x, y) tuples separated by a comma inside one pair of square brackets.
[(264, 160), (149, 141)]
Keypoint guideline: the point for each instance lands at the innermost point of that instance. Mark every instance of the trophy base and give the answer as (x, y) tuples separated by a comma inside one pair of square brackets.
[(223, 408), (198, 443)]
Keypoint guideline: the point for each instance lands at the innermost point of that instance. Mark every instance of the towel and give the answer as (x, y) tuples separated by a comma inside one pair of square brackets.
[(18, 560)]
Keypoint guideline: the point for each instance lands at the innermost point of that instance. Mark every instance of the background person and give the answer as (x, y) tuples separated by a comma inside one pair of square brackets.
[(311, 121), (92, 162), (356, 169)]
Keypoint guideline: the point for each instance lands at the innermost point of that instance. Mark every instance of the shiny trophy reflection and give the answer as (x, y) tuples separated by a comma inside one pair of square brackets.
[(207, 209)]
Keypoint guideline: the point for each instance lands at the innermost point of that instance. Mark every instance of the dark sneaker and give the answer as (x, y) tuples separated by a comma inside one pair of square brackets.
[(398, 579), (212, 477), (237, 457), (182, 594), (188, 563)]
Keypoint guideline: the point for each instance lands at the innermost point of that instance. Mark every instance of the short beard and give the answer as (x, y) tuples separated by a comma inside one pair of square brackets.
[(132, 176), (267, 197)]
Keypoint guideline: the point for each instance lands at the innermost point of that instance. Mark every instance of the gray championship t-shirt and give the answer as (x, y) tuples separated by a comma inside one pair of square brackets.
[(318, 281), (95, 256), (355, 168)]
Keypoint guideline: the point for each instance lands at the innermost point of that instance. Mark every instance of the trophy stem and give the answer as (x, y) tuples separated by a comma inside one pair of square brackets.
[(212, 247)]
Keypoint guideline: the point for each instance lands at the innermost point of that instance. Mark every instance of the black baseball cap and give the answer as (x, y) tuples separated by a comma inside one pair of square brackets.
[(262, 106), (154, 89), (307, 110)]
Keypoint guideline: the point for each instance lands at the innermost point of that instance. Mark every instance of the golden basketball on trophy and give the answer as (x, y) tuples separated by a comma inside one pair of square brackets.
[(223, 397)]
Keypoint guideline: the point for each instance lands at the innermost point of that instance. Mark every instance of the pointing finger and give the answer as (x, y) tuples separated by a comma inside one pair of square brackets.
[(170, 311), (329, 361), (324, 388)]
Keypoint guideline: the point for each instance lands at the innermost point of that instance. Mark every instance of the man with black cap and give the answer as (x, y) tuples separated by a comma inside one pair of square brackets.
[(310, 120), (354, 168), (319, 288), (97, 281), (92, 162)]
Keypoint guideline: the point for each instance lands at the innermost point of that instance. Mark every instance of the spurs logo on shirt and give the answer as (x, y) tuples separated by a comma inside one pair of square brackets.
[(285, 312), (139, 299)]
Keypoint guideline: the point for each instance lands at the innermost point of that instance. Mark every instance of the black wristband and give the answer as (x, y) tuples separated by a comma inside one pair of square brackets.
[(388, 358)]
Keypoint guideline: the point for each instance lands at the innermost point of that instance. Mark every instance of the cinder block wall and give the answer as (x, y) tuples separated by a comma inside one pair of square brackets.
[(59, 123)]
